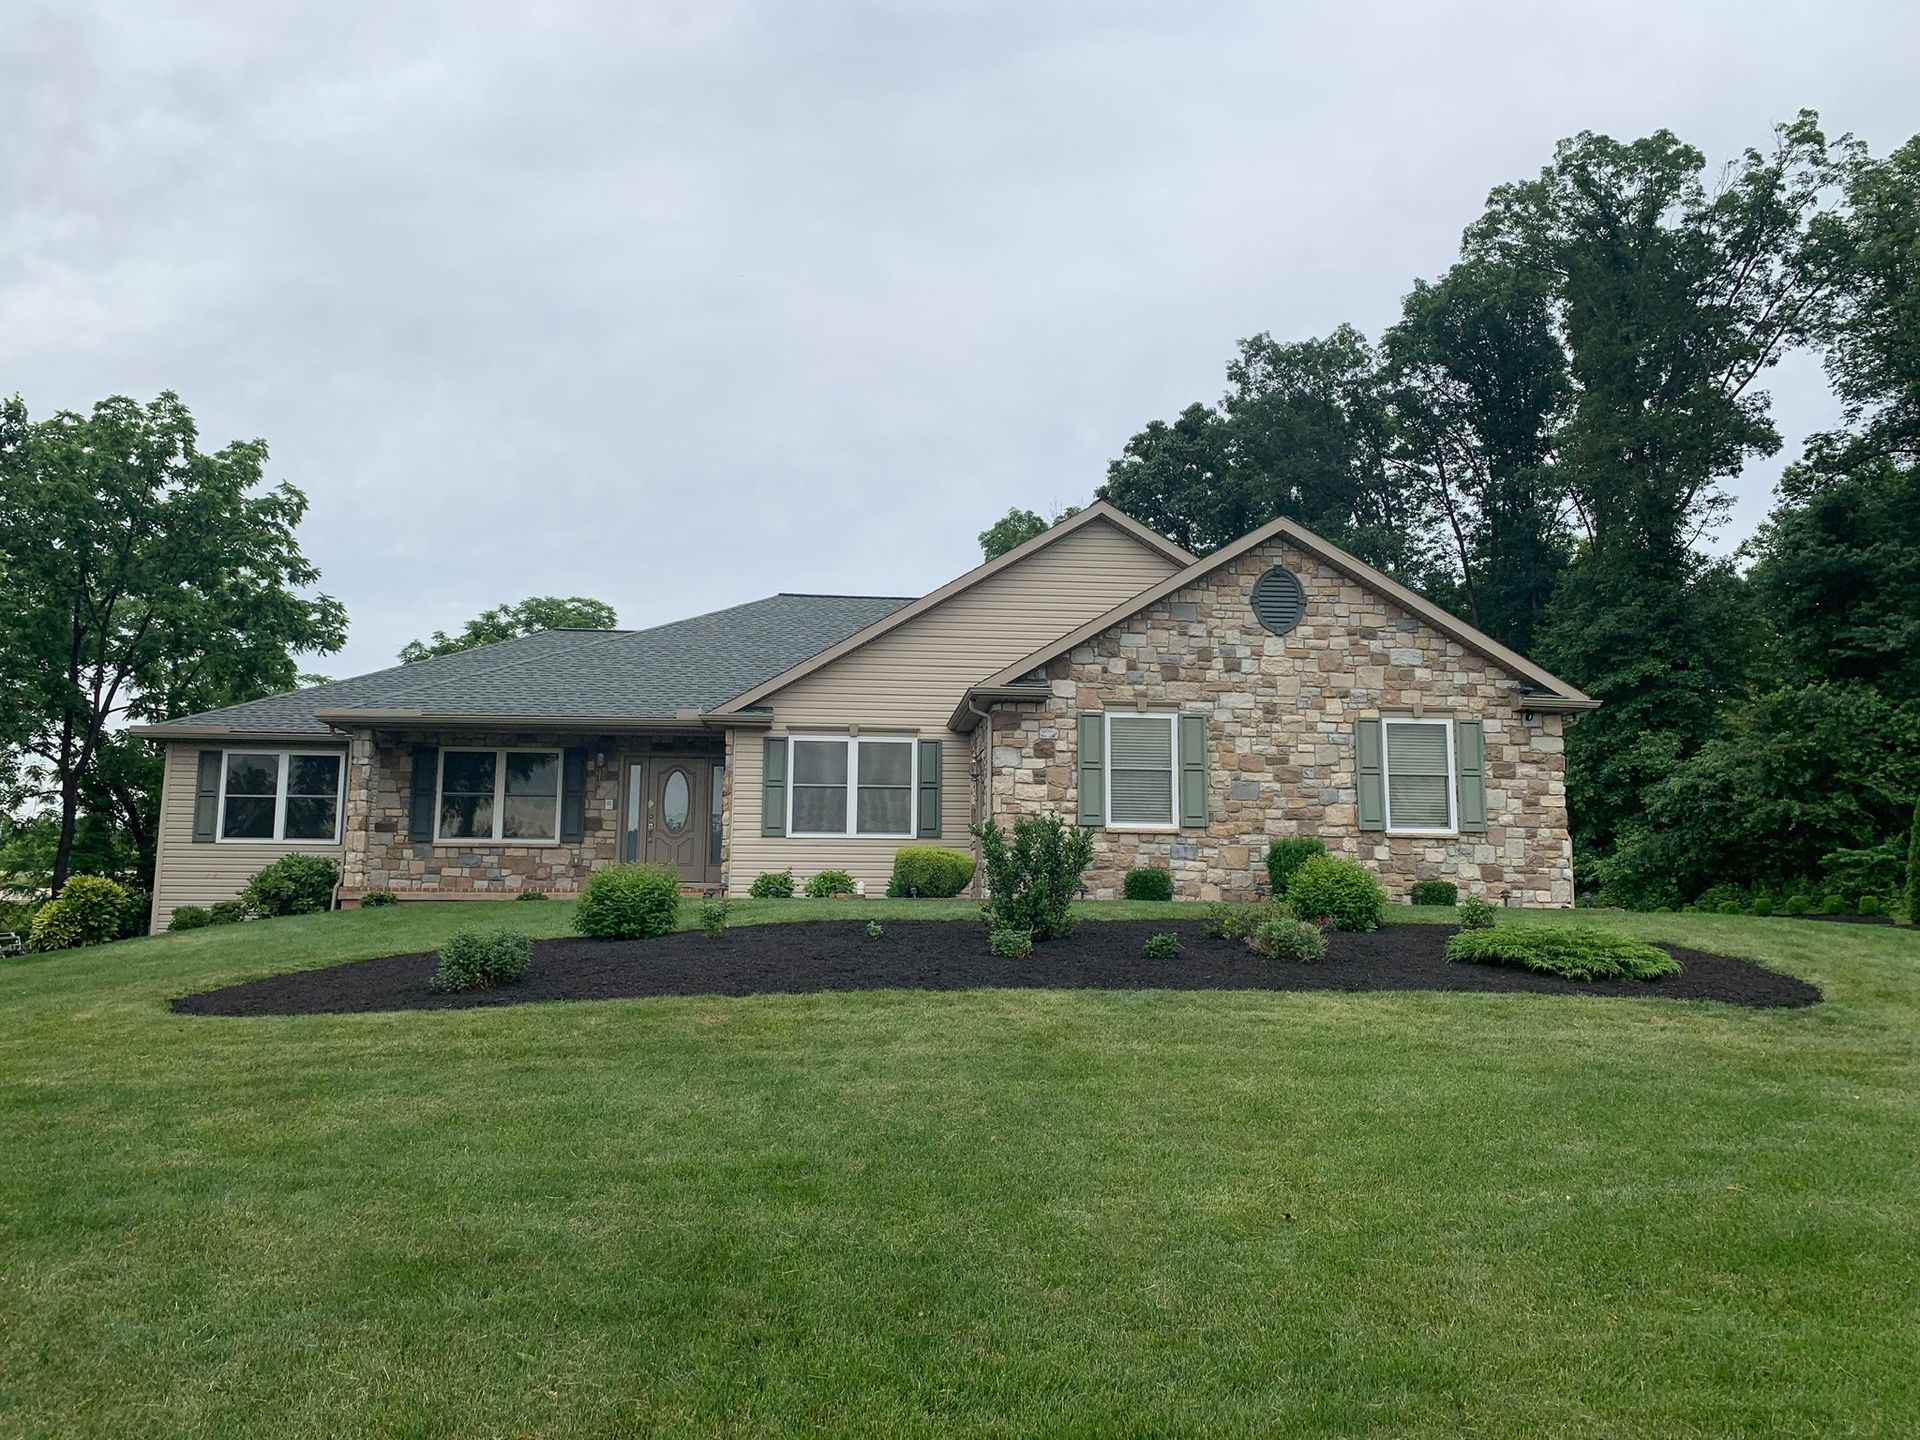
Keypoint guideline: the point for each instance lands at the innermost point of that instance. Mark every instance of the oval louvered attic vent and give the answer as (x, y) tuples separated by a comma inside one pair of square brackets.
[(1278, 600)]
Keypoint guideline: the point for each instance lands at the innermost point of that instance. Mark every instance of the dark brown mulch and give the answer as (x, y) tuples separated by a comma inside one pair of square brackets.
[(952, 955)]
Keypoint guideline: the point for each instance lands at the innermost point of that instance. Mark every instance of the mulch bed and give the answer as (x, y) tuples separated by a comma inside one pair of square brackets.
[(819, 955)]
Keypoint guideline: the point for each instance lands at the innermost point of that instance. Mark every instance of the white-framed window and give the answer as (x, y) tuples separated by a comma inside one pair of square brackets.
[(852, 785), (280, 795), (1418, 762), (498, 795), (1141, 758)]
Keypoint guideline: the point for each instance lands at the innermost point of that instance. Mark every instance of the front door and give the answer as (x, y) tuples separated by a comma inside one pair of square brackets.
[(667, 815)]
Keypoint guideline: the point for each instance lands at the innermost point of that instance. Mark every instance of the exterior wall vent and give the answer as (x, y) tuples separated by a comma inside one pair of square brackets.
[(1279, 600)]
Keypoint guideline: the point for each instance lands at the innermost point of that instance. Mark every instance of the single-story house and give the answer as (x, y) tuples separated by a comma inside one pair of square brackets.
[(1186, 710)]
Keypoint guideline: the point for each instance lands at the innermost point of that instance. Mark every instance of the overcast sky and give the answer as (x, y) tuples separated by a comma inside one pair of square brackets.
[(679, 305)]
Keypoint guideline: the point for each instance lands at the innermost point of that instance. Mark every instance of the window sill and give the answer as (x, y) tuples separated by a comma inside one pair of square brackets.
[(840, 835), (1147, 829), (1423, 834), (269, 840)]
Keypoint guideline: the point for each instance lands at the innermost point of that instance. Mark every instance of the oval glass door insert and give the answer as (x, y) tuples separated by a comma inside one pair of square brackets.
[(675, 802)]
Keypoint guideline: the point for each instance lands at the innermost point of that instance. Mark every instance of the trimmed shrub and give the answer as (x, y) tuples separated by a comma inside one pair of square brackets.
[(712, 915), (475, 959), (1342, 892), (1435, 892), (1010, 944), (827, 884), (1571, 952), (1762, 905), (1281, 937), (1232, 922), (1477, 913), (1148, 882), (378, 899), (531, 895), (1730, 907), (628, 902), (772, 885), (938, 872), (89, 910), (1870, 905), (1835, 905), (1714, 896), (1288, 854), (1165, 946), (189, 917), (226, 912), (875, 929), (1796, 905), (1032, 877), (292, 885)]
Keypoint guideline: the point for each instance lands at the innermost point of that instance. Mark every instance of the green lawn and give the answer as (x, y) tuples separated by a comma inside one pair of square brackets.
[(990, 1212)]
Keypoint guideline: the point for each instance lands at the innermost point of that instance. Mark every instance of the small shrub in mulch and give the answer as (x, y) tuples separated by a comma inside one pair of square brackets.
[(712, 916), (875, 930), (1344, 893), (628, 902), (1571, 952), (1164, 946), (1477, 913), (475, 959), (1281, 937), (1010, 944)]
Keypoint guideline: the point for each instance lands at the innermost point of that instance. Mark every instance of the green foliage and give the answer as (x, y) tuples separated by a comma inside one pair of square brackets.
[(1233, 922), (1010, 944), (1913, 868), (1286, 855), (1870, 905), (509, 622), (827, 884), (226, 912), (875, 929), (1730, 907), (938, 871), (628, 902), (531, 895), (1164, 946), (1874, 870), (90, 910), (378, 899), (1835, 905), (1033, 877), (1714, 897), (1571, 952), (1796, 905), (772, 885), (1343, 893), (1015, 528), (1148, 882), (189, 917), (1282, 937), (712, 915), (1435, 892), (1477, 913), (1762, 906), (476, 959), (294, 884)]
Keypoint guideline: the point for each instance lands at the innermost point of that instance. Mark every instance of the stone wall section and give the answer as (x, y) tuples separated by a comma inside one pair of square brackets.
[(1281, 713)]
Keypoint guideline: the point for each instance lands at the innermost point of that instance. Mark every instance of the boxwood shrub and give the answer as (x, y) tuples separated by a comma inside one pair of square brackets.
[(1730, 907), (89, 910), (1033, 875), (827, 884), (1870, 905), (1435, 892), (1762, 905), (1571, 952), (1796, 905), (1288, 854), (1835, 905), (1148, 882), (937, 871), (475, 959), (292, 885), (628, 902), (1343, 893), (189, 917)]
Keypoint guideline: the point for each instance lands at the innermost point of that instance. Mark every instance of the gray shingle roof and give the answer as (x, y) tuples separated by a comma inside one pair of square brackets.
[(584, 674)]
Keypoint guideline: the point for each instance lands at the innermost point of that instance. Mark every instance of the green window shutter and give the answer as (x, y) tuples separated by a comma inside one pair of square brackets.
[(426, 774), (1092, 770), (1193, 770), (1372, 790), (1470, 759), (206, 798), (773, 785), (930, 789), (573, 795)]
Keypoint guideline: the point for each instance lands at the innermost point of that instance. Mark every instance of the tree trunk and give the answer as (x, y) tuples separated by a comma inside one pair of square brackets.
[(69, 822)]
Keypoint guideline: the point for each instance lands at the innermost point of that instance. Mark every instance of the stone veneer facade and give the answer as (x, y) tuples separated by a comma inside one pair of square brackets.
[(1281, 712), (379, 856)]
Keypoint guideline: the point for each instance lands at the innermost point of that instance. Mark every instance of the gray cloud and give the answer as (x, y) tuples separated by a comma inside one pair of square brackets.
[(682, 304)]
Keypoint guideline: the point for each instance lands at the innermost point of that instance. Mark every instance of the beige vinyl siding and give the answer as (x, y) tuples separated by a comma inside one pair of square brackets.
[(186, 873), (908, 681)]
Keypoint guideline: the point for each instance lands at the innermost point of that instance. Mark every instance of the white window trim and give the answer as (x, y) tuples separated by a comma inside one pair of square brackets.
[(280, 796), (499, 753), (852, 742), (1452, 826), (1172, 717)]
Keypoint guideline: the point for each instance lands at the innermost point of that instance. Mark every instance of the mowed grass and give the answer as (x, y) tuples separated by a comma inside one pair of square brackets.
[(990, 1212)]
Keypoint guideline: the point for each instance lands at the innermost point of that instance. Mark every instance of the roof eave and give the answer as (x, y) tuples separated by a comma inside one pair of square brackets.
[(969, 714)]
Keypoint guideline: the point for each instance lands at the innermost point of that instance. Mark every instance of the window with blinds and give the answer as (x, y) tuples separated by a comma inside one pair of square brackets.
[(1140, 751), (1419, 775)]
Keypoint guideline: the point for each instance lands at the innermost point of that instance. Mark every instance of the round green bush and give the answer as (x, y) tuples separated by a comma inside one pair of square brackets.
[(89, 910), (1477, 913), (1148, 882), (1762, 905), (378, 899), (1165, 946), (628, 902), (712, 916), (1288, 854), (1010, 944), (292, 885), (1729, 907), (1344, 893), (1435, 892), (226, 912), (189, 917), (1281, 937), (772, 885), (1796, 905), (937, 871), (827, 884), (1870, 905), (474, 959), (1835, 905)]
